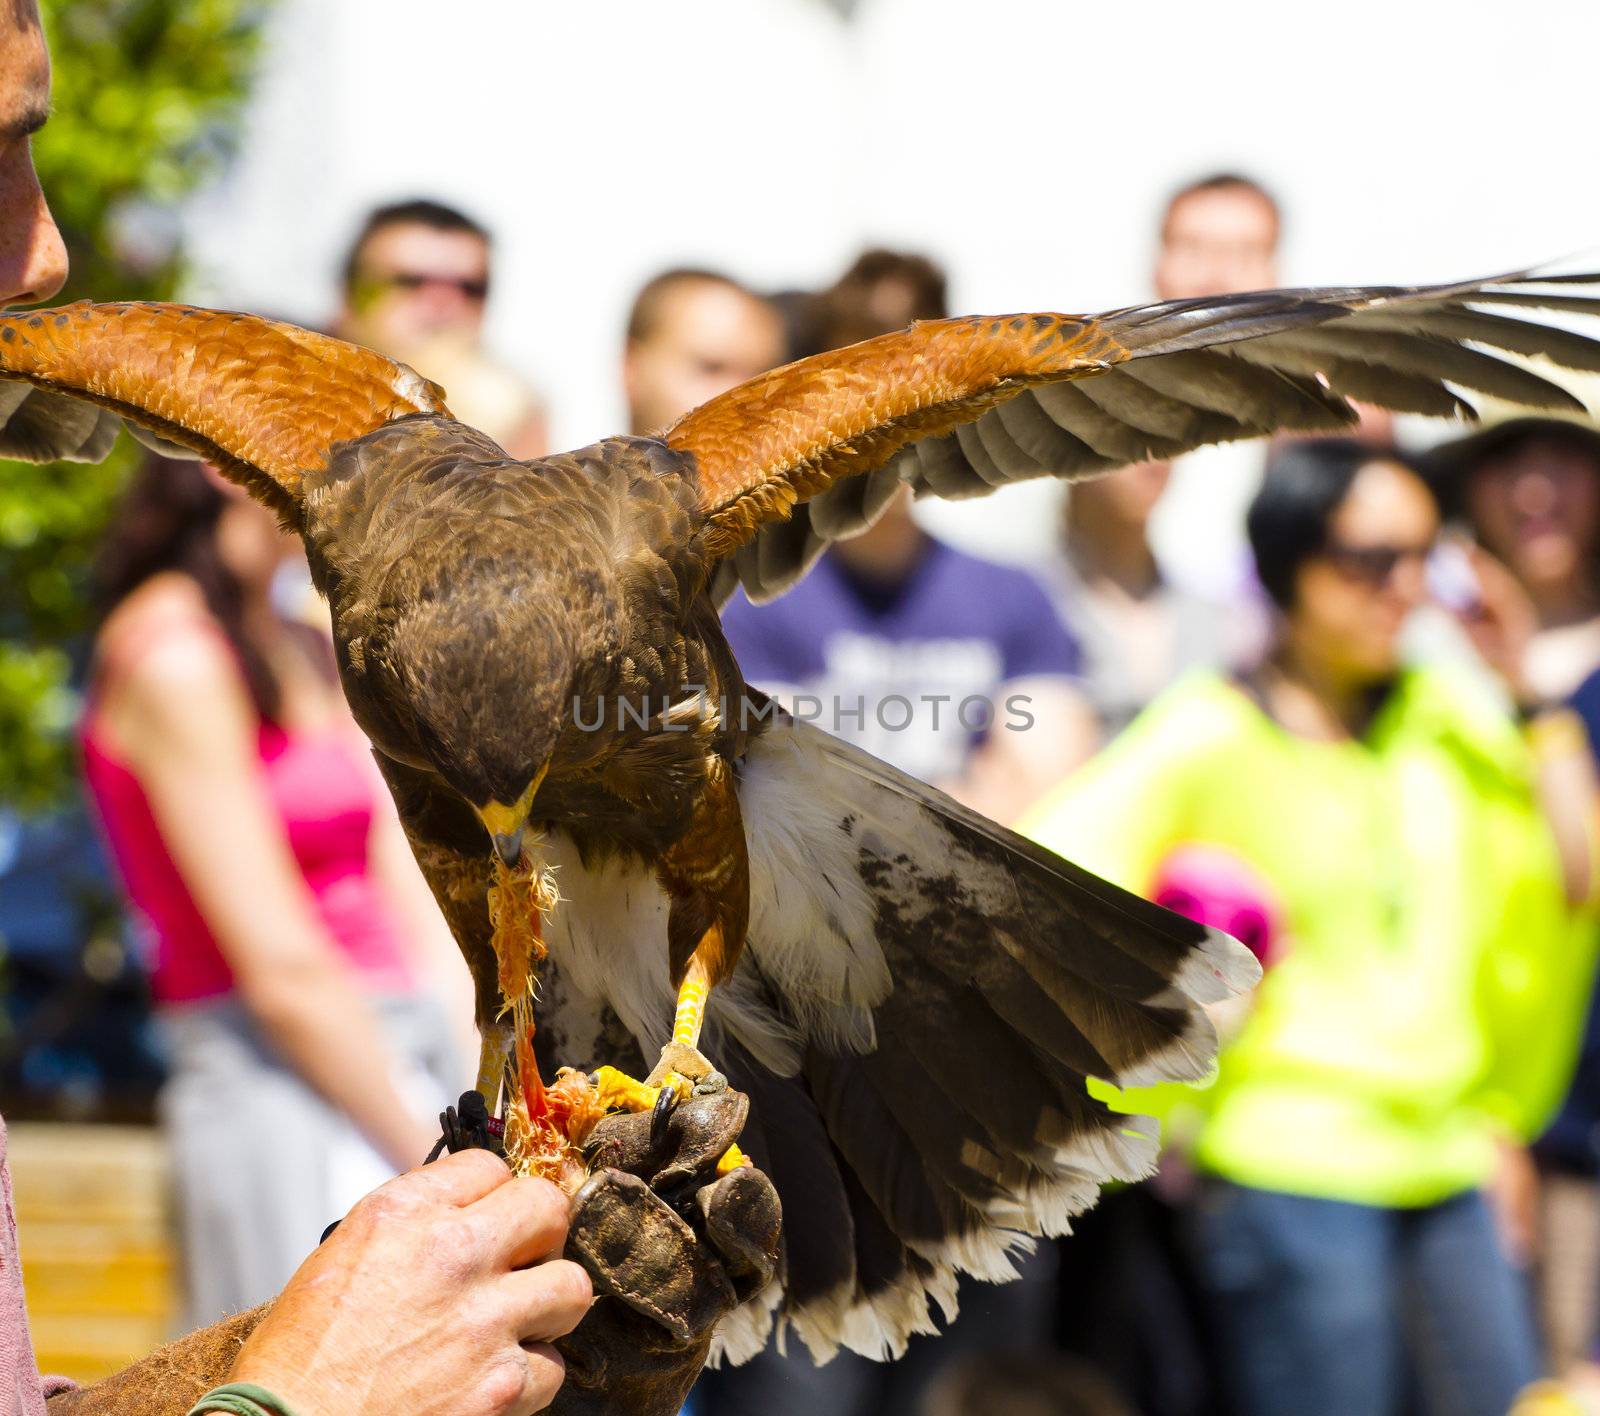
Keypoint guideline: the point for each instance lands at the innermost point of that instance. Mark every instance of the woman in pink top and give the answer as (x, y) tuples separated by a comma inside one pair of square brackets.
[(261, 855)]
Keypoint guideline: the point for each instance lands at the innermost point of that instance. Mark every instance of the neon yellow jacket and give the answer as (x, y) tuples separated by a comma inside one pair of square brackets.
[(1432, 987)]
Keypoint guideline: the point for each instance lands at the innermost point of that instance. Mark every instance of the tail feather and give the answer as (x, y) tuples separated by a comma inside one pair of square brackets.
[(952, 987), (921, 1001), (880, 1154)]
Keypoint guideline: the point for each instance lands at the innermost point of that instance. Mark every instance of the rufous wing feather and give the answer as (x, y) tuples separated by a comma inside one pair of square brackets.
[(786, 461), (262, 399), (788, 434)]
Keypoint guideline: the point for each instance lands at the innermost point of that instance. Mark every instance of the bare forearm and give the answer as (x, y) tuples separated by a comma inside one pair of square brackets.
[(327, 1033), (1569, 795)]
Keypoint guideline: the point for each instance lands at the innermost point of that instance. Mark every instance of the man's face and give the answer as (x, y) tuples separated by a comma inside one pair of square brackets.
[(414, 284), (707, 338), (33, 260), (1217, 242)]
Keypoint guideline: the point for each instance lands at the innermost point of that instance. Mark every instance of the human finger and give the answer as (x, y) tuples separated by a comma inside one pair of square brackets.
[(517, 1381), (524, 1220), (459, 1180), (546, 1301), (546, 1371)]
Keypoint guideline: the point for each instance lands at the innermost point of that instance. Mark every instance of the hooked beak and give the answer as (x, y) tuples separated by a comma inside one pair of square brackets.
[(508, 846), (507, 824)]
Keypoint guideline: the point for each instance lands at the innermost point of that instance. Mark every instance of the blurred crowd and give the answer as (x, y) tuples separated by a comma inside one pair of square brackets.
[(1338, 697)]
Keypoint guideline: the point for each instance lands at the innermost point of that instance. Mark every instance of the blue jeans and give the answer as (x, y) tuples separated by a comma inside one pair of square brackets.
[(1333, 1309)]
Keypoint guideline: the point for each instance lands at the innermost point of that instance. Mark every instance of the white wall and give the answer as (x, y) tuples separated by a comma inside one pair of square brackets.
[(1027, 143)]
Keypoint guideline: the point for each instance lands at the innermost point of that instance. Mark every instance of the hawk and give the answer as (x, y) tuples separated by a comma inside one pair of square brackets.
[(913, 997)]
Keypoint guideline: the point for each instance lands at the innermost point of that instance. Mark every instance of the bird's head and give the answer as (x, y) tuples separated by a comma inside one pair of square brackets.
[(485, 682)]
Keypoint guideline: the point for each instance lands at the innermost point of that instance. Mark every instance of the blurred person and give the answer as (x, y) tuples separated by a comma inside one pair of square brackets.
[(415, 270), (952, 668), (1418, 1020), (295, 949), (411, 1258), (1529, 490), (1138, 632), (802, 322), (1568, 1155), (882, 291), (1129, 1294), (692, 334), (1218, 234), (894, 616), (415, 286)]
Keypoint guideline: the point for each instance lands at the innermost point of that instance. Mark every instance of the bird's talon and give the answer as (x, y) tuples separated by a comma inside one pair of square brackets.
[(618, 1091), (666, 1103)]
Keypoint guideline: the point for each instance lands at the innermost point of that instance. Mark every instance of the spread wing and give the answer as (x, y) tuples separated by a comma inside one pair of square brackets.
[(811, 452), (263, 400)]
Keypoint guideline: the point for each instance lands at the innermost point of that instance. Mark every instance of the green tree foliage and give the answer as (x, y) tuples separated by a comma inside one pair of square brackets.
[(147, 100)]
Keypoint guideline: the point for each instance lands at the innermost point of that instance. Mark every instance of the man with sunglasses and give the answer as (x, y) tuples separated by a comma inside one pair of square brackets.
[(417, 270), (415, 286)]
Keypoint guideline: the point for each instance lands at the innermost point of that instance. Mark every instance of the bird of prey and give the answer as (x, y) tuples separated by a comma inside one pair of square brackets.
[(912, 996)]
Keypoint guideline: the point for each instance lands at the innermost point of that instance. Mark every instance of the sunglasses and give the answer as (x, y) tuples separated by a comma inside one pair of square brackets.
[(1374, 565), (476, 289)]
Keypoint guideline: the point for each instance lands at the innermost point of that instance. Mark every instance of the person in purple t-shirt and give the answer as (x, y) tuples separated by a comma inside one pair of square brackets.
[(951, 668)]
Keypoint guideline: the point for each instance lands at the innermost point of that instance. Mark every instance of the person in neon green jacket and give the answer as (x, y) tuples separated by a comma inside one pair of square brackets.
[(1426, 979)]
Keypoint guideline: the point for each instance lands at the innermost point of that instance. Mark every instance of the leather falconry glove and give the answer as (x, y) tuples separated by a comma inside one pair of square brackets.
[(671, 1246)]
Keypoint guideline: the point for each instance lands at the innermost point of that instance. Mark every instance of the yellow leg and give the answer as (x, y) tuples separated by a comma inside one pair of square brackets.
[(681, 1064), (494, 1054), (690, 1016)]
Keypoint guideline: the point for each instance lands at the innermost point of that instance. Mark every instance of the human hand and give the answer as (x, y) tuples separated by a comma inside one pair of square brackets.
[(1501, 621), (671, 1248), (437, 1296)]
